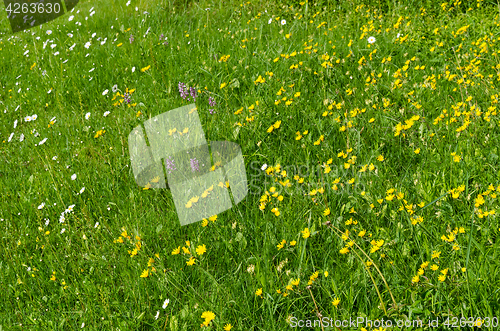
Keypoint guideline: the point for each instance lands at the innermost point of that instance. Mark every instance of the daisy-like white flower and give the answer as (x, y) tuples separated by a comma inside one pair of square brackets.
[(128, 3), (165, 303), (133, 69), (71, 18), (73, 176), (106, 113), (158, 312), (87, 116), (43, 141), (41, 205), (82, 190), (264, 167), (87, 44), (270, 21), (21, 138), (283, 22), (105, 92), (10, 137), (371, 40), (15, 124), (49, 31), (62, 230), (114, 88)]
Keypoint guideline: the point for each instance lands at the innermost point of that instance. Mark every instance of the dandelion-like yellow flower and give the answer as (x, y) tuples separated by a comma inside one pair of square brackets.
[(208, 316), (306, 233), (191, 261), (344, 250), (201, 249)]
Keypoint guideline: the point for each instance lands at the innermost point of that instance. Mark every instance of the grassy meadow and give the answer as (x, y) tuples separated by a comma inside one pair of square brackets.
[(370, 134)]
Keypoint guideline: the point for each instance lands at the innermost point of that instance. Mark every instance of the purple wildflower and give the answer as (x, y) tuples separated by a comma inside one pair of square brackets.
[(192, 92), (131, 39), (211, 102), (182, 90), (161, 37), (126, 97), (169, 164), (194, 165)]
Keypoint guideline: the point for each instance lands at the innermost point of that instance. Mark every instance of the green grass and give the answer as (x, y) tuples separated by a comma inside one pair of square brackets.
[(95, 280)]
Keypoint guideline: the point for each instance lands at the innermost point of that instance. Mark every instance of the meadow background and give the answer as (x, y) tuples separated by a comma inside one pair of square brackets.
[(370, 133)]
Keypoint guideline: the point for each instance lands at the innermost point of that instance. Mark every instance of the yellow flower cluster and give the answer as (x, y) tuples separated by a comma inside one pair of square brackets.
[(376, 245), (174, 130), (408, 124), (224, 58), (99, 133), (195, 199), (274, 126), (200, 250), (259, 80), (266, 198), (283, 242), (455, 193), (204, 222)]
